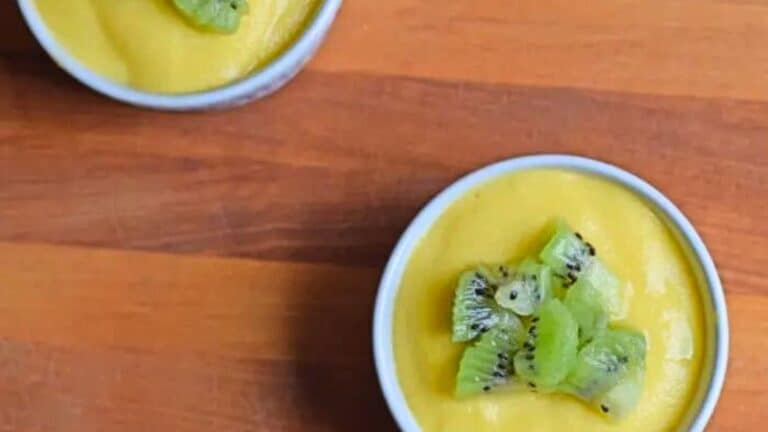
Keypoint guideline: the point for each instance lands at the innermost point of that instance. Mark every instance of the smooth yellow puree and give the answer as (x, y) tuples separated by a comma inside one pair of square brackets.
[(148, 45), (507, 219)]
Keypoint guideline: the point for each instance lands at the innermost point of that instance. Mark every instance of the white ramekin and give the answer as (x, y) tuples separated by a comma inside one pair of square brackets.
[(258, 84), (712, 294)]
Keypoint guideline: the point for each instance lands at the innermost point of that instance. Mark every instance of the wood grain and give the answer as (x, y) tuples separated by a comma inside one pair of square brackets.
[(125, 343), (681, 47), (334, 189), (217, 271)]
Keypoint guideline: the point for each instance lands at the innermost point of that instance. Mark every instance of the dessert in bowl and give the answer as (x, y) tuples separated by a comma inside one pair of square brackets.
[(181, 54), (464, 340)]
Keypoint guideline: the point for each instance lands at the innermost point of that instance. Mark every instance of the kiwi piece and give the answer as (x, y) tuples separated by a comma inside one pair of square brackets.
[(572, 257), (568, 253), (607, 286), (605, 362), (222, 16), (474, 309), (586, 305), (622, 398), (526, 289), (550, 350), (488, 364)]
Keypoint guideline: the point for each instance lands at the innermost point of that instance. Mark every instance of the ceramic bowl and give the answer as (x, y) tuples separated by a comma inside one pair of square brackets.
[(258, 84), (716, 314)]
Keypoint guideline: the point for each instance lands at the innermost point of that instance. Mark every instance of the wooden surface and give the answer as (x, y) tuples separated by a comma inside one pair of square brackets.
[(216, 271)]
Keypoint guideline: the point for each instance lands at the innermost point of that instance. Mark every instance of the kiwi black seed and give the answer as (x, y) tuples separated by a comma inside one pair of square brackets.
[(504, 271)]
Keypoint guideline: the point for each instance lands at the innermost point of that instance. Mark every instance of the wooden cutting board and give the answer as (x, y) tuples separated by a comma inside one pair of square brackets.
[(200, 272)]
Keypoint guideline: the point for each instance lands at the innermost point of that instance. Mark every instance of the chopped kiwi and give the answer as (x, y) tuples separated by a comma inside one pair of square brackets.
[(572, 258), (608, 286), (567, 253), (549, 353), (620, 400), (526, 289), (566, 346), (487, 364), (605, 362), (222, 16), (586, 305), (474, 309)]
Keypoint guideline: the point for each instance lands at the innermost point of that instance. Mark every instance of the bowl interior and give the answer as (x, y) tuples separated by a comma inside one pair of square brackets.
[(713, 301), (260, 82)]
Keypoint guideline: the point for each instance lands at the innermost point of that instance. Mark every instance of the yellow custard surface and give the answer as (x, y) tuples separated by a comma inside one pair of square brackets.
[(503, 221), (149, 45)]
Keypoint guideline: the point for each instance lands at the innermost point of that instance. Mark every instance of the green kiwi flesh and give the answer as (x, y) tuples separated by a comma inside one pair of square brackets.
[(550, 350), (572, 257), (586, 305), (474, 309), (544, 324), (620, 400), (567, 253), (608, 371), (608, 288), (221, 16), (487, 364), (526, 289)]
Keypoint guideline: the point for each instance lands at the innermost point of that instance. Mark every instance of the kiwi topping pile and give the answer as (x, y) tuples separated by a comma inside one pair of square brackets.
[(220, 16), (544, 325)]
